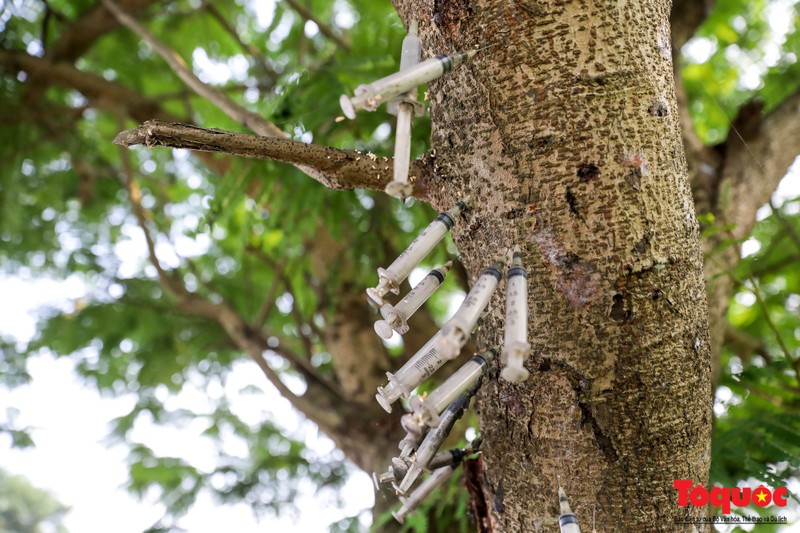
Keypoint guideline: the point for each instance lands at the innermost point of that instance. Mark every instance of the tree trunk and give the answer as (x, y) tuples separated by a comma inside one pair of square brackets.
[(565, 133)]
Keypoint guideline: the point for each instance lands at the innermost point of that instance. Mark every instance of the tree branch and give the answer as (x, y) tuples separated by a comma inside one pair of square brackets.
[(248, 47), (101, 93), (77, 39), (686, 17), (337, 169), (268, 304), (757, 155), (319, 393)]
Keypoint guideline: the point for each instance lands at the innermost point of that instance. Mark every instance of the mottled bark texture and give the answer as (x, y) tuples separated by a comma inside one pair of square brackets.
[(566, 134)]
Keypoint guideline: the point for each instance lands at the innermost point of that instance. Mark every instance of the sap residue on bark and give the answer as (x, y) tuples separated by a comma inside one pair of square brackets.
[(578, 280)]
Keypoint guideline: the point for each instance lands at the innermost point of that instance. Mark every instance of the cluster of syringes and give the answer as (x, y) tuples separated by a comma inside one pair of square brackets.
[(399, 91), (433, 415)]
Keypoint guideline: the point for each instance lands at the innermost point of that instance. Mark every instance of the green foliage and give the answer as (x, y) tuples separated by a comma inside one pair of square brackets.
[(27, 509), (757, 434), (745, 59)]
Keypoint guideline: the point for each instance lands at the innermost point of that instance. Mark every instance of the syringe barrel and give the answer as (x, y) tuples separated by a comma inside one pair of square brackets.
[(420, 293), (420, 247), (371, 95), (457, 330), (433, 441), (424, 363), (450, 457), (568, 523), (420, 367), (410, 50), (462, 379), (516, 325), (423, 491), (435, 437), (402, 142), (478, 298)]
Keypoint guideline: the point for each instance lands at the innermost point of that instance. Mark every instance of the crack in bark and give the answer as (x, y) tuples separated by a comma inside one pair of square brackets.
[(604, 442), (473, 477)]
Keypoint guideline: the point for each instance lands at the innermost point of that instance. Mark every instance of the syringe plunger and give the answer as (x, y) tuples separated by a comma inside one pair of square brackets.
[(515, 347)]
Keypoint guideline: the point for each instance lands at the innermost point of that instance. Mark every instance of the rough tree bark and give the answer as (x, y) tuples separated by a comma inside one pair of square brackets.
[(566, 132)]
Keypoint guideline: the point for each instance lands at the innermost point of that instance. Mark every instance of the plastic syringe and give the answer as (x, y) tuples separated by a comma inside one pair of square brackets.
[(515, 346), (456, 332), (395, 317), (404, 106), (371, 95), (391, 277), (428, 408), (435, 437), (423, 491)]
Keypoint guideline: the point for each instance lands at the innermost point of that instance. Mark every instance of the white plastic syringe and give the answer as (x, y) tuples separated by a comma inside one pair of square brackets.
[(515, 346), (423, 491), (435, 437), (372, 95), (395, 317), (404, 106), (398, 469), (567, 520), (391, 277), (456, 331), (424, 363), (427, 408)]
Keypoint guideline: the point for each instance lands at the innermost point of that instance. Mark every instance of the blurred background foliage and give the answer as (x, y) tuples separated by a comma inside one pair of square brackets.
[(243, 236), (27, 509)]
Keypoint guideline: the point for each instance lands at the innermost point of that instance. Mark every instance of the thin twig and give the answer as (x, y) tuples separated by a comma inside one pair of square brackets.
[(794, 362), (324, 29), (236, 112), (248, 47), (135, 197)]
